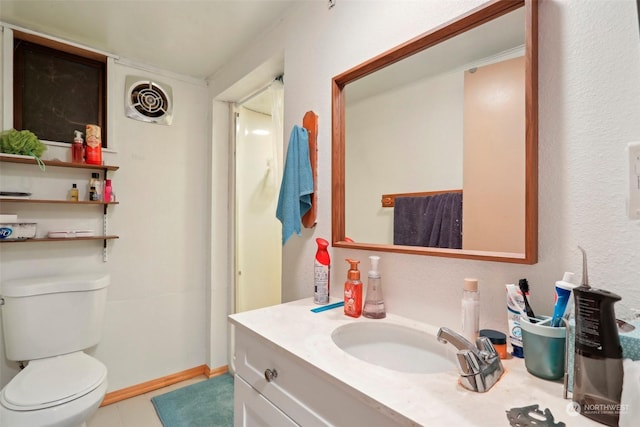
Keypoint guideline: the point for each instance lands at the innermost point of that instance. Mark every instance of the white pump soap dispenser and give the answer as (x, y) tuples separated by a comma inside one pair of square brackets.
[(374, 303)]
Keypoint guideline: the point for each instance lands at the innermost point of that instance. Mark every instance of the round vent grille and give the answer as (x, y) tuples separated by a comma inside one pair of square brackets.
[(148, 101)]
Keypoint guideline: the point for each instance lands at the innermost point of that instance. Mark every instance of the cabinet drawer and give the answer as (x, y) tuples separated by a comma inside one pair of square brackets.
[(298, 389), (251, 409)]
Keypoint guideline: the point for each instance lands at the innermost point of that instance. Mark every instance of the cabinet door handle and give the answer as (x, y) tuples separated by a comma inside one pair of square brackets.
[(270, 374)]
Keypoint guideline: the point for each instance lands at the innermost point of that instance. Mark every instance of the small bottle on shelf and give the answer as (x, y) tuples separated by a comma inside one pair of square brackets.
[(73, 193), (77, 148), (107, 191), (93, 151), (95, 187)]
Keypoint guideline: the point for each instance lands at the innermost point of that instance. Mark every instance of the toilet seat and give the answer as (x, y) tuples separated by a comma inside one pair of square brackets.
[(53, 381)]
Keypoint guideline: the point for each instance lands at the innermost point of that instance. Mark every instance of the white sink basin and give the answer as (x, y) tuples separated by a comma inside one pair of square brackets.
[(394, 347)]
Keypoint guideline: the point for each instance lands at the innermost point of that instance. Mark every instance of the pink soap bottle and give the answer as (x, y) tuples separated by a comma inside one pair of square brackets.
[(107, 191), (353, 290)]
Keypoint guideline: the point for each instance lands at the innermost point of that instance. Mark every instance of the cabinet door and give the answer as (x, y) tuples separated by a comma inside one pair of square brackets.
[(251, 409), (307, 396)]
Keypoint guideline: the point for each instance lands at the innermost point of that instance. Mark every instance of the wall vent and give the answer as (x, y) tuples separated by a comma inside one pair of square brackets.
[(148, 101)]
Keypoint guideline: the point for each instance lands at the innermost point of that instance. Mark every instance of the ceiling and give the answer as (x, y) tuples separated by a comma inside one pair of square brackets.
[(189, 37), (492, 41)]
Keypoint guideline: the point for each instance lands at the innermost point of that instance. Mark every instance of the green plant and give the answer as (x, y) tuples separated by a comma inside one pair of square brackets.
[(21, 142)]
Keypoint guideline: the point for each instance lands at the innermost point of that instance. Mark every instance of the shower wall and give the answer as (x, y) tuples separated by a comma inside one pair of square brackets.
[(258, 232)]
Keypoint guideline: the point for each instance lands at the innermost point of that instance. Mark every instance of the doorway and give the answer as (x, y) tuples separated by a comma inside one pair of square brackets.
[(258, 233)]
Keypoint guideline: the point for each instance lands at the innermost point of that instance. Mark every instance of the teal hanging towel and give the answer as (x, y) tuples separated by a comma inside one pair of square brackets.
[(297, 184)]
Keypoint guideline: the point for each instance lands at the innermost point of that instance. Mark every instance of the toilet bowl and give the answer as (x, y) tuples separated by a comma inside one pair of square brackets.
[(49, 322), (60, 391)]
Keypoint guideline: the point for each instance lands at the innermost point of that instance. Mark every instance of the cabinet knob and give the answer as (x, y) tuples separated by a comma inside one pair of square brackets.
[(270, 374)]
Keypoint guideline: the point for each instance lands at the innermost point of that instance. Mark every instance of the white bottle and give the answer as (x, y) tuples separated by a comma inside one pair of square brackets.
[(470, 310), (96, 184)]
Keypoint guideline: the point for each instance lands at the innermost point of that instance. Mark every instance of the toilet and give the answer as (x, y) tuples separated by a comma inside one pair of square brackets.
[(47, 322)]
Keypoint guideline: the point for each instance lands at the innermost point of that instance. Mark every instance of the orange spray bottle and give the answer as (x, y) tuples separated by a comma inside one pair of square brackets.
[(353, 290)]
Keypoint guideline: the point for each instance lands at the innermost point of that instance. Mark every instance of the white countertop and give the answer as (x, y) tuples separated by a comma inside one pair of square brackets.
[(410, 398)]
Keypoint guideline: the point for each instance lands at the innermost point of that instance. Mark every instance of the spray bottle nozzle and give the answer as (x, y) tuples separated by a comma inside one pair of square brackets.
[(322, 243), (78, 134)]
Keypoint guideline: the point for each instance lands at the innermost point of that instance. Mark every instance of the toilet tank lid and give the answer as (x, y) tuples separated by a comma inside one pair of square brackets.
[(53, 284)]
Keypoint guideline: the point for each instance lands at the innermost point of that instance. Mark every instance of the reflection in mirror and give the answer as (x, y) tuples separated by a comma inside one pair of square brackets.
[(437, 153)]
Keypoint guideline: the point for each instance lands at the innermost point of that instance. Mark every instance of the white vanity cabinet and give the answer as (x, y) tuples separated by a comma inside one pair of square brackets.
[(313, 382), (276, 388)]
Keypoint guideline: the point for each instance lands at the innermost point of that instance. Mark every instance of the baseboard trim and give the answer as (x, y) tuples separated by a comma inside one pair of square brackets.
[(136, 390), (216, 371)]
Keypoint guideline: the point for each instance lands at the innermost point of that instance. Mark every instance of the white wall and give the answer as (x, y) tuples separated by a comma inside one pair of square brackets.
[(220, 232), (160, 275), (421, 151), (589, 87), (157, 313)]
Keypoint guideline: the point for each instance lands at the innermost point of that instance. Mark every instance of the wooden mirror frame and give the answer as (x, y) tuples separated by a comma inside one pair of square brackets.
[(468, 21)]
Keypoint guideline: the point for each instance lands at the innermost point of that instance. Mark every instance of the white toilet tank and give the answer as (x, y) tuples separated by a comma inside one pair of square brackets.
[(49, 316)]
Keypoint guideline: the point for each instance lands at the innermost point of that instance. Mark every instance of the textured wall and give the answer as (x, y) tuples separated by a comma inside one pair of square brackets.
[(589, 109), (156, 315)]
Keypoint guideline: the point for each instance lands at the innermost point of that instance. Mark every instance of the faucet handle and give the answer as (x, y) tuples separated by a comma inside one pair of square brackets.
[(487, 350), (468, 362)]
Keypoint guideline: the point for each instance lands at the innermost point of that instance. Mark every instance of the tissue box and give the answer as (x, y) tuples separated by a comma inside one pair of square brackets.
[(17, 230), (69, 234), (630, 342)]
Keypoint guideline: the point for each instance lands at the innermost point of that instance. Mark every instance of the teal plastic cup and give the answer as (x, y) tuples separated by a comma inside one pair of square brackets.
[(544, 348)]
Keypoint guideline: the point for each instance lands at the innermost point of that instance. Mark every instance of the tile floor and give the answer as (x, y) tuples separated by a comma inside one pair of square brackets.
[(137, 411)]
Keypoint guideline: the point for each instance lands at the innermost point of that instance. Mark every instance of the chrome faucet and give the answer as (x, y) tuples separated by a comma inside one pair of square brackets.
[(479, 365)]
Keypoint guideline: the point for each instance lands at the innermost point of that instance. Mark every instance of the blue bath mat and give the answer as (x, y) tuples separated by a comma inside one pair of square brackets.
[(207, 403)]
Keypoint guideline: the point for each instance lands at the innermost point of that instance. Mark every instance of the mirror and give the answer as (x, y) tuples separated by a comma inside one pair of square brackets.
[(455, 111)]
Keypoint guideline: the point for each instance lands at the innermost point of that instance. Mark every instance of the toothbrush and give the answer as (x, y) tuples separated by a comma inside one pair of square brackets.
[(327, 307), (524, 288)]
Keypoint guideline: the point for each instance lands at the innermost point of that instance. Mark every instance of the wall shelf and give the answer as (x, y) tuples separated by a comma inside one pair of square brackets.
[(55, 163), (60, 202), (9, 158), (59, 239)]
